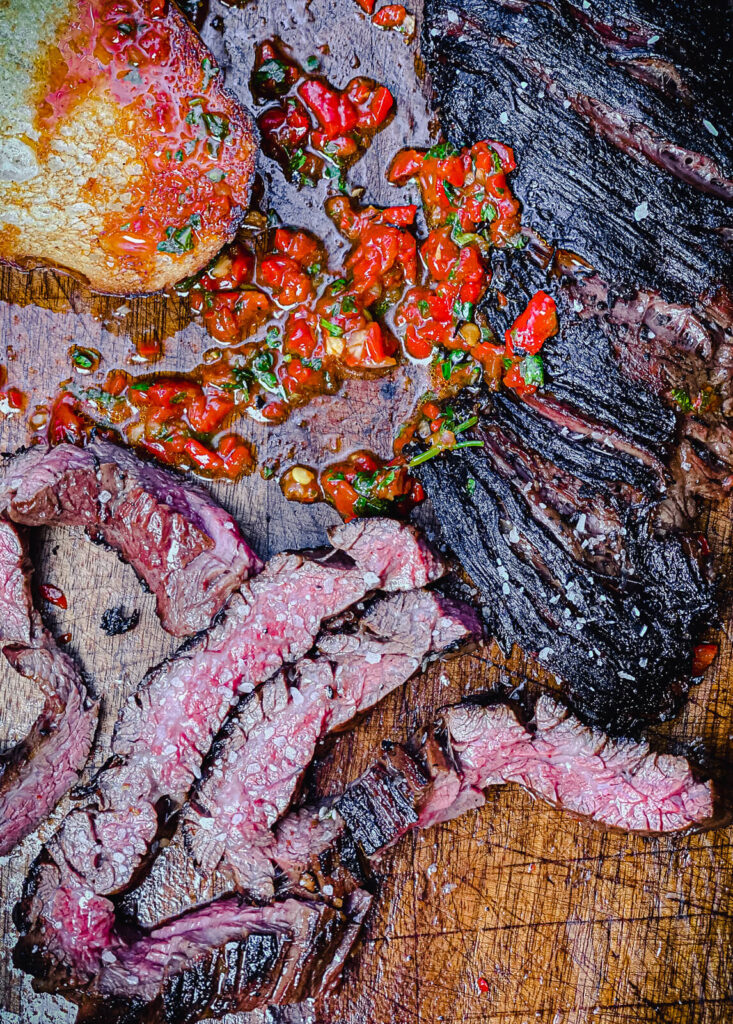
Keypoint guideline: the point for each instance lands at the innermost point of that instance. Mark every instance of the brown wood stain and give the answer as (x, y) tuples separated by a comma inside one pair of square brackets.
[(566, 923)]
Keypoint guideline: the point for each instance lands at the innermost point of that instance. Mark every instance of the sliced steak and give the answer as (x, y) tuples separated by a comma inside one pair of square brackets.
[(222, 957), (258, 761), (36, 772), (184, 546), (444, 771), (161, 738), (397, 552), (563, 535)]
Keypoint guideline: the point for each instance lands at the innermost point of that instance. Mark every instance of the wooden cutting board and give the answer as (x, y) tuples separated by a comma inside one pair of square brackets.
[(566, 923)]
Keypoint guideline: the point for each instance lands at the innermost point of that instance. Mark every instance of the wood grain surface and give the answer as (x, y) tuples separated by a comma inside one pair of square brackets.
[(567, 923)]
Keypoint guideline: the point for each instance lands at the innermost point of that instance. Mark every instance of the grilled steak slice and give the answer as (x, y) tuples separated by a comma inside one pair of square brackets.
[(561, 535), (258, 760), (36, 773), (160, 741), (398, 553), (132, 178), (444, 771), (223, 957), (186, 548)]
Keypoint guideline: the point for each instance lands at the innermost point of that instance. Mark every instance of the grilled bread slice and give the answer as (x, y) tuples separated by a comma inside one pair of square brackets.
[(122, 158)]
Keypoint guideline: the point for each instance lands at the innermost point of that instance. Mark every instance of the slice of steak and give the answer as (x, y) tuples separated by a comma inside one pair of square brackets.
[(37, 771), (161, 738), (444, 771), (184, 546), (259, 759), (397, 552), (222, 957), (563, 536)]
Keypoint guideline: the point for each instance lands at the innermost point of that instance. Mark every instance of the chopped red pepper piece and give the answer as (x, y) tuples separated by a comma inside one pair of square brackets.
[(53, 595), (334, 110), (534, 326), (391, 16)]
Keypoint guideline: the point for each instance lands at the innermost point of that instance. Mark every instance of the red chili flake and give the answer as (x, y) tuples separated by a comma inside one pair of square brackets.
[(65, 638), (53, 595), (483, 984)]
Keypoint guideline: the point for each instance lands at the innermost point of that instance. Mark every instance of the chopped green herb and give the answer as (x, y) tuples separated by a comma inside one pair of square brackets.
[(463, 310), (517, 241), (453, 359), (272, 338), (209, 71), (336, 476), (488, 212), (216, 174), (348, 305), (507, 363), (682, 399), (451, 193), (313, 269), (180, 397), (297, 160), (470, 485), (532, 370), (177, 240), (216, 125), (311, 63), (267, 472), (441, 150), (314, 363), (82, 358), (424, 307), (338, 285), (466, 425), (140, 385), (430, 453), (134, 77), (333, 329), (272, 72), (496, 161)]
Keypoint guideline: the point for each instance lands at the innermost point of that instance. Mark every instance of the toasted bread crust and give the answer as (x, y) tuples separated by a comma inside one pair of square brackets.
[(130, 171)]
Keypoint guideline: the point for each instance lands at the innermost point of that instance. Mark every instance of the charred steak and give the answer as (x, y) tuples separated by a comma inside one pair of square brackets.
[(574, 519), (444, 771), (181, 543)]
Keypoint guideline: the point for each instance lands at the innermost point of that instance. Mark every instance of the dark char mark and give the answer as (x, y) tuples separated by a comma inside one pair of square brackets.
[(569, 565), (594, 141)]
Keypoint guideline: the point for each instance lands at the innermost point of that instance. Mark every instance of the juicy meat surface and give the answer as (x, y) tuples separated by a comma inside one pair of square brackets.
[(186, 548), (396, 551), (36, 772), (258, 761), (445, 770), (160, 740)]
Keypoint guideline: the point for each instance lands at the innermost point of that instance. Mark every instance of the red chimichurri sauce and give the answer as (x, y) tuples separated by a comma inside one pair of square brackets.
[(312, 129), (362, 484), (287, 327)]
